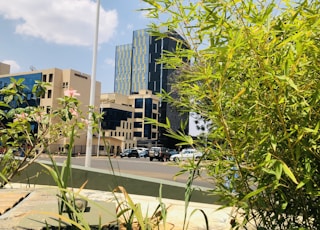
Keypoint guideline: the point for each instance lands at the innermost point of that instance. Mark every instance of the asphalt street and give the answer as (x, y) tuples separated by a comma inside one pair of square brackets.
[(141, 167)]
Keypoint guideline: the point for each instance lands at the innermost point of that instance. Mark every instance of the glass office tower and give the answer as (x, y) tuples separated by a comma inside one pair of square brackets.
[(137, 68), (122, 82), (131, 64)]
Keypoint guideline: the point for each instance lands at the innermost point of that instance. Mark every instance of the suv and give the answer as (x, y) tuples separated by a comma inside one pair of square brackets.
[(129, 153), (160, 153)]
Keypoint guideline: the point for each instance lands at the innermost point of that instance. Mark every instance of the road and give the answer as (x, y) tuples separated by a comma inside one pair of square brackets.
[(141, 167)]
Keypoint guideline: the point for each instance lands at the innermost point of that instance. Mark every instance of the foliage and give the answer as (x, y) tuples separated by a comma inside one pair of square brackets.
[(18, 124), (30, 130), (250, 69), (27, 131), (73, 122), (131, 215)]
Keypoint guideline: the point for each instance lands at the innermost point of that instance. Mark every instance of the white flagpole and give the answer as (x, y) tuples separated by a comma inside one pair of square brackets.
[(92, 90)]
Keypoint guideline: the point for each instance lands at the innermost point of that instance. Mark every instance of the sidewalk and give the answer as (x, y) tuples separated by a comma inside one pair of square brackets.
[(38, 205)]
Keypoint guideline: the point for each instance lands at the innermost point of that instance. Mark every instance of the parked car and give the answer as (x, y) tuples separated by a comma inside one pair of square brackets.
[(159, 153), (172, 151), (186, 154), (129, 153), (143, 152)]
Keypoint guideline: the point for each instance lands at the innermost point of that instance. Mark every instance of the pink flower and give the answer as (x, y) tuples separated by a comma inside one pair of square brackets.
[(73, 112), (20, 117), (86, 121), (71, 93)]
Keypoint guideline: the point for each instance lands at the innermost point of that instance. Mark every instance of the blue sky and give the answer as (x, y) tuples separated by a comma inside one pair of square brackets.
[(43, 34)]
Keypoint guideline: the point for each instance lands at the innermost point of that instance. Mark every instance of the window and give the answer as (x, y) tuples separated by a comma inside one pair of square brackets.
[(154, 106), (148, 108), (49, 93), (139, 103), (137, 125), (48, 109), (137, 134), (50, 77), (147, 131), (65, 85), (138, 115), (44, 78)]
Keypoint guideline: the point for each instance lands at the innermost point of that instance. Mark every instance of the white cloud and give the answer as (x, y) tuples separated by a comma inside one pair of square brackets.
[(70, 22), (109, 61), (14, 66)]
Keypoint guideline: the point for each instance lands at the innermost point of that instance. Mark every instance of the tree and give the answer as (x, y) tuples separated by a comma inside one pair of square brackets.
[(252, 73)]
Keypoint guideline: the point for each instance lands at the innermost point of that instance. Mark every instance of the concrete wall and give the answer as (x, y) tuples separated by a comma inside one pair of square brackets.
[(107, 181)]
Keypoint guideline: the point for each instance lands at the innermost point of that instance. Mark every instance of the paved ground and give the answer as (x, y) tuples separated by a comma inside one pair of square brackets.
[(24, 207)]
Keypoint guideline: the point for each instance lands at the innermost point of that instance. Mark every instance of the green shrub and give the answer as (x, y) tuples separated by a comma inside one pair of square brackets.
[(250, 71)]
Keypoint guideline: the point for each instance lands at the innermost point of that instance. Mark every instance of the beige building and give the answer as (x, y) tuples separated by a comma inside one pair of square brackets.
[(60, 80), (123, 125), (4, 68)]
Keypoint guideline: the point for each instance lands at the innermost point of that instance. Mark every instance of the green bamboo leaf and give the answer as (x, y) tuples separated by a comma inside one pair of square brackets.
[(273, 143), (278, 170), (308, 130), (289, 81), (2, 104), (288, 172), (53, 174), (254, 193), (301, 184), (3, 178), (268, 157)]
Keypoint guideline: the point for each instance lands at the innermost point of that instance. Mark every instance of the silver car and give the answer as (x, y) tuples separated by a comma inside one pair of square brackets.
[(186, 154)]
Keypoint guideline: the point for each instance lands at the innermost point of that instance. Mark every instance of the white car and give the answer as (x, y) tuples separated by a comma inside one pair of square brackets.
[(143, 152), (186, 154)]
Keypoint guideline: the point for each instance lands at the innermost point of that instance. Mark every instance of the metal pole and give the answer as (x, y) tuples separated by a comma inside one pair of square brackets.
[(92, 91), (99, 133)]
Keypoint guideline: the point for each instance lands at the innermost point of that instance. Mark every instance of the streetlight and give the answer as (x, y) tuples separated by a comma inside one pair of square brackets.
[(92, 91)]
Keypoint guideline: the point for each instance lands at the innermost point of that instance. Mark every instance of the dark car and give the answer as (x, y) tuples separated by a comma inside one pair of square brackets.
[(129, 153), (159, 153)]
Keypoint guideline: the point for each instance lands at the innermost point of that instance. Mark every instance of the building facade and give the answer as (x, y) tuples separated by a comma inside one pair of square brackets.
[(123, 125), (60, 80), (137, 67), (4, 68)]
